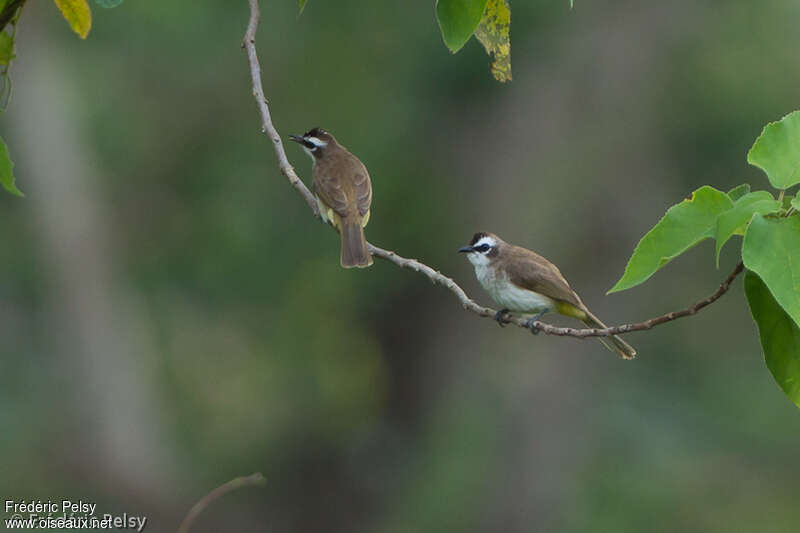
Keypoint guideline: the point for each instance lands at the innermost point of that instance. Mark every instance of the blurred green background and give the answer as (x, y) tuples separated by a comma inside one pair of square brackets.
[(171, 316)]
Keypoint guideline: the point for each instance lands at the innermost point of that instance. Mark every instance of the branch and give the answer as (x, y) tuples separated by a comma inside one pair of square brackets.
[(225, 488), (435, 276), (647, 324), (287, 170)]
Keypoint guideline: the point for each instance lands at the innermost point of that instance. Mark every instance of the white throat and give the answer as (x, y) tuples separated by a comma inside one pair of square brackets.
[(478, 259), (310, 154)]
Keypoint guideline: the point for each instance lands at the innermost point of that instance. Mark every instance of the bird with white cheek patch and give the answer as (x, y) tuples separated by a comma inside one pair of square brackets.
[(343, 191), (525, 282)]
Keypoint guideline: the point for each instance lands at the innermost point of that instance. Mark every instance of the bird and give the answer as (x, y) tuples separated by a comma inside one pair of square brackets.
[(343, 191), (523, 281)]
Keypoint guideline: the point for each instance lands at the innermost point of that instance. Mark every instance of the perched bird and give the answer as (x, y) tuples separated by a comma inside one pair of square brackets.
[(343, 191), (523, 281)]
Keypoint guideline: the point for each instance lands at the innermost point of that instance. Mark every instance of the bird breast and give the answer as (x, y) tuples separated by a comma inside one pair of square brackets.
[(509, 296)]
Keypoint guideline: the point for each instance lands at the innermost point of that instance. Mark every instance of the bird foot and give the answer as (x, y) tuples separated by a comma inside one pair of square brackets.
[(501, 317), (530, 323)]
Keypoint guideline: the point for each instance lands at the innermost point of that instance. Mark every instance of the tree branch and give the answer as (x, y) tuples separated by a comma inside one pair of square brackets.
[(647, 324), (222, 490), (435, 276), (287, 170)]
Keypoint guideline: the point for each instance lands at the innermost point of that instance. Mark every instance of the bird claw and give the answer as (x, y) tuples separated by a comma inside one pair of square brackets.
[(530, 323), (501, 317), (531, 326)]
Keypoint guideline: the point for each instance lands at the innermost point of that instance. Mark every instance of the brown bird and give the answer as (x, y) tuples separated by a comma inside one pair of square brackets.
[(343, 191), (523, 281)]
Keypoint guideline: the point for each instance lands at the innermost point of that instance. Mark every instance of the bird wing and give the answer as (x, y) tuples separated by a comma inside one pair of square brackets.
[(531, 271), (343, 194), (362, 189), (330, 189)]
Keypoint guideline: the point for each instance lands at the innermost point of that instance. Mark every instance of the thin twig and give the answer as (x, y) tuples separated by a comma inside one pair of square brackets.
[(647, 324), (249, 44), (434, 275), (237, 483)]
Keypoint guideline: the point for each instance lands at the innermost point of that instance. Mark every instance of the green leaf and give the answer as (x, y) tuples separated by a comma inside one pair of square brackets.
[(494, 34), (7, 170), (684, 225), (777, 151), (786, 203), (458, 20), (771, 249), (6, 48), (77, 14), (739, 191), (780, 336), (796, 203), (734, 221), (108, 3), (301, 5)]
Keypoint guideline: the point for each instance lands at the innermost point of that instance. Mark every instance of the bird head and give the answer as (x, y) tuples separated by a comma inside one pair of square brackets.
[(482, 249), (314, 142)]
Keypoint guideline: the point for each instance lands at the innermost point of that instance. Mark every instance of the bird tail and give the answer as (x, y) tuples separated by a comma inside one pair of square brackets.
[(354, 245), (613, 343)]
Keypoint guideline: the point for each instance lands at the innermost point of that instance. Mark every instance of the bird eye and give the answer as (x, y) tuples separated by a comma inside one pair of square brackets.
[(483, 248)]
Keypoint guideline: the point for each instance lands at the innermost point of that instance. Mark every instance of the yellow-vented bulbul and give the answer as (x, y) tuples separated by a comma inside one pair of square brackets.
[(343, 191), (523, 281)]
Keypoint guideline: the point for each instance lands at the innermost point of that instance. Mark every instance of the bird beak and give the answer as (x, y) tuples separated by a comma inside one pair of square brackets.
[(466, 249), (297, 138)]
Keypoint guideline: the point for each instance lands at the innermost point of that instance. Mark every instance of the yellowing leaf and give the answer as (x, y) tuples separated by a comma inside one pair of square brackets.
[(78, 14), (494, 34)]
